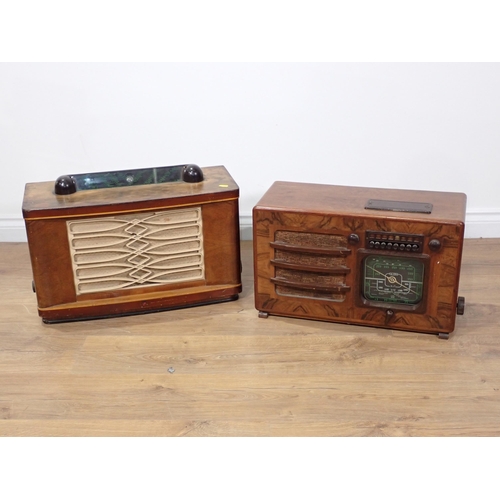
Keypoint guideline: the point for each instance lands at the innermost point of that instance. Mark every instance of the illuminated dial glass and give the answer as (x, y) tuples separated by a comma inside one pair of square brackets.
[(396, 280)]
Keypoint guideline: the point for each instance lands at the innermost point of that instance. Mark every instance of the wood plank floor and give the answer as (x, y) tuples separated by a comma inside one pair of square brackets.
[(233, 374)]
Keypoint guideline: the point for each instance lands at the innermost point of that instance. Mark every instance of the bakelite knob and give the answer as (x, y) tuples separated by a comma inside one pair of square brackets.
[(353, 239), (434, 245), (389, 316), (192, 173), (65, 184)]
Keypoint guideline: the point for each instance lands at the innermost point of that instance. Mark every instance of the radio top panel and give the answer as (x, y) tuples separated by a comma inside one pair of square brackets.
[(72, 195), (69, 184), (364, 202)]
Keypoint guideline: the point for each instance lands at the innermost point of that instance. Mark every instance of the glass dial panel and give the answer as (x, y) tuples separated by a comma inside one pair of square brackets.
[(395, 280), (124, 178)]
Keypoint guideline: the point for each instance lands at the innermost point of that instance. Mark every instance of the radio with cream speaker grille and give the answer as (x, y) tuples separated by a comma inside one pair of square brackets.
[(376, 257), (127, 242)]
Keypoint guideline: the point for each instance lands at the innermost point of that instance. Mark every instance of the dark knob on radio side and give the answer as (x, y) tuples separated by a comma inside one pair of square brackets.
[(461, 305), (192, 173), (65, 184), (434, 245)]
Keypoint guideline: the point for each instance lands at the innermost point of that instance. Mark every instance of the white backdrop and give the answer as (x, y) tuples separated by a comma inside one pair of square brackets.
[(430, 126)]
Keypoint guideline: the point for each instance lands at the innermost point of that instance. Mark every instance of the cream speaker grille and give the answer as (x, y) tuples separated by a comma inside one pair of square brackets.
[(137, 250), (310, 265)]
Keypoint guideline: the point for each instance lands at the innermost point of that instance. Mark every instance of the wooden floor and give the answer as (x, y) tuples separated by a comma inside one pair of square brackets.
[(219, 370)]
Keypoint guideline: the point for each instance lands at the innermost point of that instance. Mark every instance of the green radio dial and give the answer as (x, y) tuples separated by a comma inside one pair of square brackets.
[(393, 279)]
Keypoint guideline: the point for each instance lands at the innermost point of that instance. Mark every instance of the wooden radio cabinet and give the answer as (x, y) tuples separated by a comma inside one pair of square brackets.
[(128, 242), (376, 257)]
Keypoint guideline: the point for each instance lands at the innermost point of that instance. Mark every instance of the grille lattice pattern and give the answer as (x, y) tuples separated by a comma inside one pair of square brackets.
[(137, 250)]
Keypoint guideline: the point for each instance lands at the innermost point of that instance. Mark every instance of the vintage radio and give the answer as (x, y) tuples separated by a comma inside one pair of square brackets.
[(126, 242), (375, 257)]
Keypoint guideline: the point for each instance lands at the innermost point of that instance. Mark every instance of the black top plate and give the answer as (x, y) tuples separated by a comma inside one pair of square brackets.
[(399, 206)]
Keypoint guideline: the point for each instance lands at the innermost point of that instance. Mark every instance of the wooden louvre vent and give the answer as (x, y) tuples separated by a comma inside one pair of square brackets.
[(136, 250), (310, 265)]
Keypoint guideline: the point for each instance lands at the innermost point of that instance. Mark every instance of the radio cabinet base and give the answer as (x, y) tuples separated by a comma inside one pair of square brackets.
[(82, 312)]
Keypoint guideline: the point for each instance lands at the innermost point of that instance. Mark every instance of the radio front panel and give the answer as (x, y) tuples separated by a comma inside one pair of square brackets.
[(361, 268)]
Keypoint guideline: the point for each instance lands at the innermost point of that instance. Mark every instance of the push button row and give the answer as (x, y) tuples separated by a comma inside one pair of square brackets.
[(392, 241), (388, 245)]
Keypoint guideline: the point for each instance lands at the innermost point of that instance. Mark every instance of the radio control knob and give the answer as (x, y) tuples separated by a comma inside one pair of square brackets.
[(353, 239), (434, 245), (377, 244), (408, 248), (395, 246), (192, 173), (414, 248), (65, 184), (389, 246)]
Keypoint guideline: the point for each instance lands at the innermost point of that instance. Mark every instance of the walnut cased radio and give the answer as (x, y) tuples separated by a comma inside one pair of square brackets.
[(367, 256), (128, 242)]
